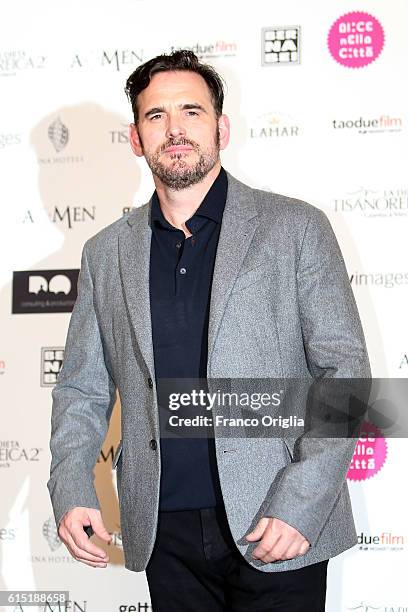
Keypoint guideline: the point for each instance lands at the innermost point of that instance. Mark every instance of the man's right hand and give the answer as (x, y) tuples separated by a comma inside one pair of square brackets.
[(71, 532)]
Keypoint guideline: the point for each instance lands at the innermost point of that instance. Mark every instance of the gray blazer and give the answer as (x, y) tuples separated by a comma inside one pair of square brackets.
[(281, 306)]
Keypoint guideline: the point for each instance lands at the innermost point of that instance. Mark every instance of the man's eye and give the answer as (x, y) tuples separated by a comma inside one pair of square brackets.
[(191, 112), (157, 116)]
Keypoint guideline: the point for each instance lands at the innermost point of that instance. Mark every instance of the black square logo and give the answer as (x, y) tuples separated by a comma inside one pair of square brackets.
[(37, 291)]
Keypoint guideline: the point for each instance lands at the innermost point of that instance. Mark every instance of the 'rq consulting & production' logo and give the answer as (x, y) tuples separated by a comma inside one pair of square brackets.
[(44, 291)]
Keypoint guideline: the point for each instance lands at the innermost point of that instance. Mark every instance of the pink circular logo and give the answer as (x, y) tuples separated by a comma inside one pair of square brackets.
[(356, 39), (369, 455)]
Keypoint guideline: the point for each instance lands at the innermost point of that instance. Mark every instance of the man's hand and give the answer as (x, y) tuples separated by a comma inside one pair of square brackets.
[(279, 542), (71, 531)]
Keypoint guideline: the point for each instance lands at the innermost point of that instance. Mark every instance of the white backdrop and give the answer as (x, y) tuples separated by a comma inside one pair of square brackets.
[(311, 127)]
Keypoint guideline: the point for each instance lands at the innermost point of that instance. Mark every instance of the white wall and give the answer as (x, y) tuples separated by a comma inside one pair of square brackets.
[(69, 62)]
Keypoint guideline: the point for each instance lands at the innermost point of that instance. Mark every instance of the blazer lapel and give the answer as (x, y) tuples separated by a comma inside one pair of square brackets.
[(134, 264), (234, 240), (134, 261)]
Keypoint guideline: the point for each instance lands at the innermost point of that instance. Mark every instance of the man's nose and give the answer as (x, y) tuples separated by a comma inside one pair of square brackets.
[(175, 128)]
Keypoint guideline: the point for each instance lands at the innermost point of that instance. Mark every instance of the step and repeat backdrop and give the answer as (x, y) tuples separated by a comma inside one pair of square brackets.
[(317, 97)]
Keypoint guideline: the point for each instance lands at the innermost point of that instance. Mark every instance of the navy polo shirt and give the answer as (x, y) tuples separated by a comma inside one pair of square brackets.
[(181, 271)]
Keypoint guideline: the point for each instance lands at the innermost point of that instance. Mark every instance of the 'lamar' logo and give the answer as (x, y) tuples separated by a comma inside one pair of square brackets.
[(273, 125), (44, 291)]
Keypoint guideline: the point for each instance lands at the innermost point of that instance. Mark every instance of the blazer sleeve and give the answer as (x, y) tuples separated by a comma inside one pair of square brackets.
[(83, 399), (335, 347)]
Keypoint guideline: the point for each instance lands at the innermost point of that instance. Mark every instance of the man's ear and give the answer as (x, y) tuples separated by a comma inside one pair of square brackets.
[(224, 130), (134, 140)]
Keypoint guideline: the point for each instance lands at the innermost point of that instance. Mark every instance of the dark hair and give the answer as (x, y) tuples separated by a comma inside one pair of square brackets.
[(177, 60)]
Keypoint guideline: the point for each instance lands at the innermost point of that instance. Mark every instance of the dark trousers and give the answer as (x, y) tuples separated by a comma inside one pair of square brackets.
[(196, 567)]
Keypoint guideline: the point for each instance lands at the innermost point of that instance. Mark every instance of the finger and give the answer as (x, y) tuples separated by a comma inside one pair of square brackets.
[(278, 547), (82, 541), (86, 557), (259, 530), (90, 563), (287, 548), (272, 557), (268, 542), (292, 551), (304, 547), (99, 528), (276, 554)]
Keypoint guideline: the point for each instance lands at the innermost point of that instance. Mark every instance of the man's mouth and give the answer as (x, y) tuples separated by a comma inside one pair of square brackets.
[(178, 148)]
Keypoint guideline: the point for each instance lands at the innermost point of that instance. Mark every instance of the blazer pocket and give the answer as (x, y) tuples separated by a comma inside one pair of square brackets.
[(117, 456), (249, 277)]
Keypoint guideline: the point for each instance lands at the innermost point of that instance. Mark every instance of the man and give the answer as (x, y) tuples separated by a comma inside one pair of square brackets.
[(209, 279)]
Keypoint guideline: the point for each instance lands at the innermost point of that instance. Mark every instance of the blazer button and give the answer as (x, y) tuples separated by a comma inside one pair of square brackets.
[(150, 383), (153, 444)]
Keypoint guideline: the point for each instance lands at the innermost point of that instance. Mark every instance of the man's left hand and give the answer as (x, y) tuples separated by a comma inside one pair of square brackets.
[(279, 541)]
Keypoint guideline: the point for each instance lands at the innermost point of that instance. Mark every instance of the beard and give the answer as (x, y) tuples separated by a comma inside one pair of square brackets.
[(180, 174)]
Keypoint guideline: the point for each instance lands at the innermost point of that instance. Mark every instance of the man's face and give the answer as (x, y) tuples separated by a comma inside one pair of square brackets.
[(178, 131)]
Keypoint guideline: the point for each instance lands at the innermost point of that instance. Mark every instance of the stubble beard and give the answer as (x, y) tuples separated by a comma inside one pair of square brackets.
[(180, 174)]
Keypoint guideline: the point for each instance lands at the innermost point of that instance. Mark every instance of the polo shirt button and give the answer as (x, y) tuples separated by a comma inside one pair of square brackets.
[(183, 270), (153, 444), (150, 383)]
